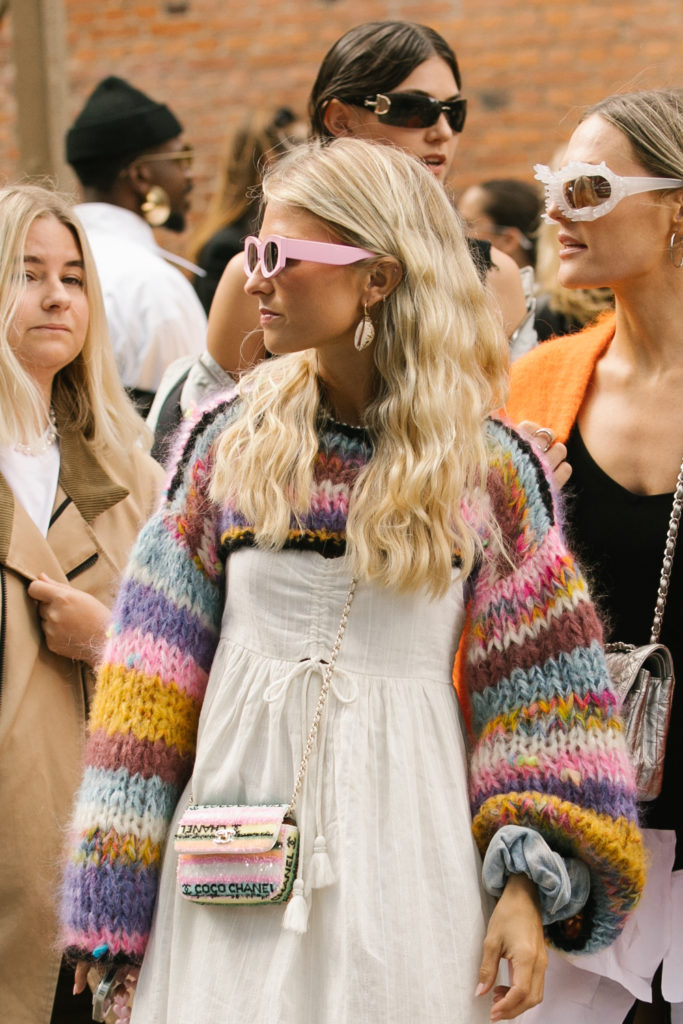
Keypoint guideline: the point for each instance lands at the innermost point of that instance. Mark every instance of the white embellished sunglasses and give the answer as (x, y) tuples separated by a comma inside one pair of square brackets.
[(588, 191)]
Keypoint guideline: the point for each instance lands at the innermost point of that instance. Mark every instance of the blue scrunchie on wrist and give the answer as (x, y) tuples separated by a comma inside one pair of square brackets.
[(563, 883)]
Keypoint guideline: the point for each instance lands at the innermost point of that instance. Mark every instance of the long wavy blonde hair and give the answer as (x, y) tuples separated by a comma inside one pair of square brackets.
[(440, 363), (86, 394)]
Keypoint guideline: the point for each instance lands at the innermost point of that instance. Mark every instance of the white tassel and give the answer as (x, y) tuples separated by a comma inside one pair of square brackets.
[(320, 869), (296, 914)]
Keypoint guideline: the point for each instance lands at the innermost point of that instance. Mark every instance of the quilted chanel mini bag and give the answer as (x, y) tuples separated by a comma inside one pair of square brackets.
[(236, 854), (643, 678)]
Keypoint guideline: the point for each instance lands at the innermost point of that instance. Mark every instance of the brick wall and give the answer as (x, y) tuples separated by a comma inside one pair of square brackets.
[(528, 65), (9, 152)]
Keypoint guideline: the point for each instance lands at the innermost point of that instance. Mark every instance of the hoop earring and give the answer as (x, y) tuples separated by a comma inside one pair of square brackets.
[(365, 331), (156, 208), (672, 246)]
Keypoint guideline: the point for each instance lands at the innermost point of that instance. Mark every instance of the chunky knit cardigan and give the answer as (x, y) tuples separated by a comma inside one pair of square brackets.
[(548, 747)]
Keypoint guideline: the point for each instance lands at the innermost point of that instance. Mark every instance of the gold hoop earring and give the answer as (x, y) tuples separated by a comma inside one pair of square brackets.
[(156, 208), (672, 246), (365, 331)]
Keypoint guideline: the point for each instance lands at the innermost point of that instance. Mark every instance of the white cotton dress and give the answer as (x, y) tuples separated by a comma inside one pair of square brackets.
[(397, 937)]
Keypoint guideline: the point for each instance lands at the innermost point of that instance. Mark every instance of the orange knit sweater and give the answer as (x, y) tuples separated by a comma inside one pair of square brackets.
[(548, 385)]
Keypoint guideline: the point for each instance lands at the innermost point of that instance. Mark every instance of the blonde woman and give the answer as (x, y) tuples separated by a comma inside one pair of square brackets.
[(358, 467), (611, 393), (408, 61), (75, 486)]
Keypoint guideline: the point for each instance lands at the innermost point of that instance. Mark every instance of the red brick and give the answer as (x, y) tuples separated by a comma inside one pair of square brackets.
[(222, 58)]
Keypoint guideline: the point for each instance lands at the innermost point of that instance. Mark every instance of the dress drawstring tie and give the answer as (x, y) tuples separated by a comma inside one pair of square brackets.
[(318, 871)]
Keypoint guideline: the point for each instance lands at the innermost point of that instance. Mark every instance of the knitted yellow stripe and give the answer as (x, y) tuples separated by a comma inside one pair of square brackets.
[(613, 845), (128, 701), (234, 533), (112, 848), (568, 711)]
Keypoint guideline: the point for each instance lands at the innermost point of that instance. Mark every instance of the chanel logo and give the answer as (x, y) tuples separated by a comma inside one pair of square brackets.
[(225, 834)]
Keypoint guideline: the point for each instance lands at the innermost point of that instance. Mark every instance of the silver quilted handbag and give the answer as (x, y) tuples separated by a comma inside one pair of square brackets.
[(643, 678)]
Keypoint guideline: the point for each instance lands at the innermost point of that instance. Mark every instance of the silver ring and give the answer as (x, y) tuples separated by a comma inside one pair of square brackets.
[(103, 992), (547, 434)]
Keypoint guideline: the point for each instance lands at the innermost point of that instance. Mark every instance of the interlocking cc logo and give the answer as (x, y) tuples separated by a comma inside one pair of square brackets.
[(225, 834)]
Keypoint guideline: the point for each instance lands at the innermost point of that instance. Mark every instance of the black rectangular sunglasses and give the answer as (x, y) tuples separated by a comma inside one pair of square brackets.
[(414, 109)]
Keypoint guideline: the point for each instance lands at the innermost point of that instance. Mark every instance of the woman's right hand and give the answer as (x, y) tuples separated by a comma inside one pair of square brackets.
[(554, 452), (74, 623)]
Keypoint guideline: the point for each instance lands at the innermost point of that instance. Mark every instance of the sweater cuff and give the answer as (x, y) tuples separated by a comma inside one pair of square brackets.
[(563, 883)]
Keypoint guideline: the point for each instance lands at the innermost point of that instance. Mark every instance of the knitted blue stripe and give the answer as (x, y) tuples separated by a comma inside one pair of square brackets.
[(158, 553), (579, 672), (144, 609), (132, 795)]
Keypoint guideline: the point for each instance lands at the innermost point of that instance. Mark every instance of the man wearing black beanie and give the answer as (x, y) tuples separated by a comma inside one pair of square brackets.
[(127, 152)]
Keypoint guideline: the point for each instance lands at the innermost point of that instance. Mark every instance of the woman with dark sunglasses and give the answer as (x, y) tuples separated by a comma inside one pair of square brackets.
[(396, 83), (612, 394), (389, 81), (399, 83), (359, 466)]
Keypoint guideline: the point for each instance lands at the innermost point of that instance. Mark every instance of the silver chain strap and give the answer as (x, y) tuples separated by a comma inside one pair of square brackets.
[(669, 551), (320, 706)]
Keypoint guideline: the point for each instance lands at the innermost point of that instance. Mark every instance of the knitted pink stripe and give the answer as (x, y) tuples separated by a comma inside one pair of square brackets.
[(489, 773), (131, 945), (543, 568), (155, 657)]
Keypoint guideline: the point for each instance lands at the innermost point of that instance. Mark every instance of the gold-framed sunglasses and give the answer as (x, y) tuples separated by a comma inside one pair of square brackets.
[(184, 156)]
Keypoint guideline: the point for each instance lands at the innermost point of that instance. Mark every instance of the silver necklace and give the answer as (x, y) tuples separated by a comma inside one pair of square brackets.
[(43, 443)]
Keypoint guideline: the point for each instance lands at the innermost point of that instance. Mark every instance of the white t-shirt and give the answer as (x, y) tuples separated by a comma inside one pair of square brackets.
[(33, 479), (153, 312)]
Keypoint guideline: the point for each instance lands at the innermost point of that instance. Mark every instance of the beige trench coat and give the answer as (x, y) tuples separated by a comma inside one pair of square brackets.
[(44, 700)]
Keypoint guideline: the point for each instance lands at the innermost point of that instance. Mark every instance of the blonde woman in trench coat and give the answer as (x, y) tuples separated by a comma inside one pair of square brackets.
[(75, 486)]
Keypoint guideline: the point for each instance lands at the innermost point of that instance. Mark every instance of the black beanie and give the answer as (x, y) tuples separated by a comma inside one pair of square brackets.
[(118, 121)]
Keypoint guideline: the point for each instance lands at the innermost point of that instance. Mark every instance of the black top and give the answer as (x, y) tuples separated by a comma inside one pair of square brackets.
[(551, 324), (618, 537), (480, 251), (214, 256)]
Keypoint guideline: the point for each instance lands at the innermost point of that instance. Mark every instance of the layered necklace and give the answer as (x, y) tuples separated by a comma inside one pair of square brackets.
[(44, 442)]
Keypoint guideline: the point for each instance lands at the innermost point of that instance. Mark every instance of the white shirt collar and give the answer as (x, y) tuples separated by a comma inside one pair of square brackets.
[(118, 221)]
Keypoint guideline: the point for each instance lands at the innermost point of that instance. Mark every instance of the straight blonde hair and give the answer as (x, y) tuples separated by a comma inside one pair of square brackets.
[(440, 360), (87, 393)]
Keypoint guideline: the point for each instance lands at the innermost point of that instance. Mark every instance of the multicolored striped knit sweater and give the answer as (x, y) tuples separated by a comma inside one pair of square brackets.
[(548, 748)]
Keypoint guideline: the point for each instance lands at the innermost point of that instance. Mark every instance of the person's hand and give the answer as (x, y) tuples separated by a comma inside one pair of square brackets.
[(515, 933), (115, 1005), (554, 452), (74, 624), (81, 976)]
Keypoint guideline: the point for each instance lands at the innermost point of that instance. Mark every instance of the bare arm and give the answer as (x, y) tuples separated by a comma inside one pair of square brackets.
[(505, 285), (515, 933), (74, 623), (234, 338)]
